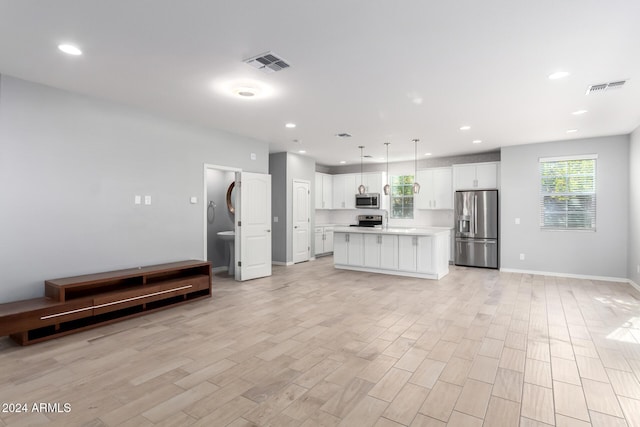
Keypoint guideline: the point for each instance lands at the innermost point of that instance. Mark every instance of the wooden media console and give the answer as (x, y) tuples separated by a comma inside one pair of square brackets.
[(78, 303)]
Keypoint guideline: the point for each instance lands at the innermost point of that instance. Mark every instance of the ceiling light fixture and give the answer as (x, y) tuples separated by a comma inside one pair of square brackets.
[(70, 49), (416, 186), (558, 75), (290, 125), (302, 151), (579, 112), (342, 162), (387, 187), (477, 141), (465, 127), (361, 188), (246, 92), (427, 154), (572, 130)]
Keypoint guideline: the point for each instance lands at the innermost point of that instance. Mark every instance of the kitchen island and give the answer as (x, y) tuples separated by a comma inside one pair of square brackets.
[(414, 252)]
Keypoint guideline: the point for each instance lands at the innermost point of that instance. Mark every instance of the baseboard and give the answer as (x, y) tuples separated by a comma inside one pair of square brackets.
[(569, 275), (219, 269), (281, 263), (635, 285)]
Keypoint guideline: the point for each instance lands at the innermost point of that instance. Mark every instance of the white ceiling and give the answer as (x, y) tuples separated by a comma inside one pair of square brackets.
[(357, 66)]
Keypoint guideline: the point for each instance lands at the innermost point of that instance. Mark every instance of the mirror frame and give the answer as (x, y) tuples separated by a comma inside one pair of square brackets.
[(230, 206)]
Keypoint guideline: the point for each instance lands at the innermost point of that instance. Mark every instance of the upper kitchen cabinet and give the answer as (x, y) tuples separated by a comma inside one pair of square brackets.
[(344, 191), (324, 190), (372, 182), (475, 176), (437, 189)]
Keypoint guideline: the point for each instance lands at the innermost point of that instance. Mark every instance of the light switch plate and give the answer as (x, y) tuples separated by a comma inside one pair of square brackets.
[(517, 220), (253, 156), (137, 199), (275, 219), (147, 200), (193, 200)]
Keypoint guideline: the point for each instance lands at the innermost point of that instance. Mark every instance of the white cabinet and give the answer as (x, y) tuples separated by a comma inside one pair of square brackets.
[(344, 191), (324, 190), (476, 176), (348, 249), (323, 240), (372, 182), (416, 254), (381, 251), (436, 189)]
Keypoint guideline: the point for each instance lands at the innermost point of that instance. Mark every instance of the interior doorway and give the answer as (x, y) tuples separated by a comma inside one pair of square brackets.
[(219, 218)]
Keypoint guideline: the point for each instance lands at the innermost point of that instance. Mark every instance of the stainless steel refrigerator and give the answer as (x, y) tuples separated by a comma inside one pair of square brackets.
[(476, 215)]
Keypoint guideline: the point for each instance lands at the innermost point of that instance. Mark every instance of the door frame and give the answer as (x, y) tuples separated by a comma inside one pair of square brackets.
[(207, 166), (293, 183)]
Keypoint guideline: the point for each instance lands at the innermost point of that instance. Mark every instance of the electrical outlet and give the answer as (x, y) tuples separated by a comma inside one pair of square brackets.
[(137, 199), (521, 257)]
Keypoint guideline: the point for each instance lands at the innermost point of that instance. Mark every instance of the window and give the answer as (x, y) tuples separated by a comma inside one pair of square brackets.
[(402, 196), (568, 193)]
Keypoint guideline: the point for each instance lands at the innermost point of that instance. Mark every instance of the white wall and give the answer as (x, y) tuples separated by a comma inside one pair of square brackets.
[(70, 166), (602, 253), (634, 208)]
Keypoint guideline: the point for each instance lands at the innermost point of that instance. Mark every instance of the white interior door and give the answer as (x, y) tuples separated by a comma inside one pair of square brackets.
[(253, 225), (301, 218)]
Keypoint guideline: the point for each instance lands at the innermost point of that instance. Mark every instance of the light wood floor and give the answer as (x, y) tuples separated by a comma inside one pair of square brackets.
[(314, 346)]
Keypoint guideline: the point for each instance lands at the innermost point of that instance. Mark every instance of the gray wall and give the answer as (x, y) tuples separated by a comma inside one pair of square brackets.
[(70, 166), (218, 182), (284, 168), (634, 208), (278, 171), (601, 253)]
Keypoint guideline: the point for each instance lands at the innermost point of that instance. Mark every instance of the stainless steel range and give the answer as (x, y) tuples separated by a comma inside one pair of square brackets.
[(368, 221)]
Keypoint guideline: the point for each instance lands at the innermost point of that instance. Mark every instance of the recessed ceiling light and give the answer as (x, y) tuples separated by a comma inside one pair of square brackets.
[(579, 112), (427, 154), (246, 91), (290, 125), (70, 49), (302, 151), (465, 127), (572, 130), (342, 162), (558, 75), (477, 141)]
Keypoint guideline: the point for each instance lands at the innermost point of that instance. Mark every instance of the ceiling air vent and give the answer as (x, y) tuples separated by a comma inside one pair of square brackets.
[(603, 87), (267, 62)]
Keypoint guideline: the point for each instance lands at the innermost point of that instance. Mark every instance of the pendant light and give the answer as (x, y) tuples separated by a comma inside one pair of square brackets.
[(387, 188), (416, 186), (361, 189)]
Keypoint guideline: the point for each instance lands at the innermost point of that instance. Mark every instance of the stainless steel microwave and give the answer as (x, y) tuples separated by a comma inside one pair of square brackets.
[(368, 201)]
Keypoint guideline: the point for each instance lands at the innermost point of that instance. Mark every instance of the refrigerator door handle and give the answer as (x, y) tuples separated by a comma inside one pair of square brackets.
[(475, 214)]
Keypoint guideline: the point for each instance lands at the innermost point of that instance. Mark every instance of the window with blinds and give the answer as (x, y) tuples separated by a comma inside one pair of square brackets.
[(568, 193)]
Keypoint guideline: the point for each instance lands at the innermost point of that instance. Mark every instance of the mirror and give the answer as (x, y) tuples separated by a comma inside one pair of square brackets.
[(231, 197)]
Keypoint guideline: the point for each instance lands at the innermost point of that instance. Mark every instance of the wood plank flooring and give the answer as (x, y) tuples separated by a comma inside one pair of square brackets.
[(315, 346)]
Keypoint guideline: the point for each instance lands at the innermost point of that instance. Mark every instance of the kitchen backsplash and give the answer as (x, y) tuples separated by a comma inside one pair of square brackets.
[(422, 218)]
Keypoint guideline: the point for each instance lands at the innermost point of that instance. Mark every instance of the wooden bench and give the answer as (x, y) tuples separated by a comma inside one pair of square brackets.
[(78, 303)]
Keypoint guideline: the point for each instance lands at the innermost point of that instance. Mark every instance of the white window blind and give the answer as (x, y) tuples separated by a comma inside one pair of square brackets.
[(568, 193)]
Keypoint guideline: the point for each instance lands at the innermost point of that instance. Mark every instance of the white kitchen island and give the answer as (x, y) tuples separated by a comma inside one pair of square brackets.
[(414, 252)]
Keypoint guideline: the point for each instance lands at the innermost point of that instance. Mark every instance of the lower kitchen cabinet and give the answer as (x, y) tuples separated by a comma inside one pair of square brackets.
[(348, 249), (323, 240), (381, 251), (424, 255)]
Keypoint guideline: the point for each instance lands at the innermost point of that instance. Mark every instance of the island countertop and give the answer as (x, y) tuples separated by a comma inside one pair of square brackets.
[(405, 231)]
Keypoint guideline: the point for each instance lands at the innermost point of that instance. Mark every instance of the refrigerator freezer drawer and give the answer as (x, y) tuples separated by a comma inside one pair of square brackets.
[(477, 253)]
